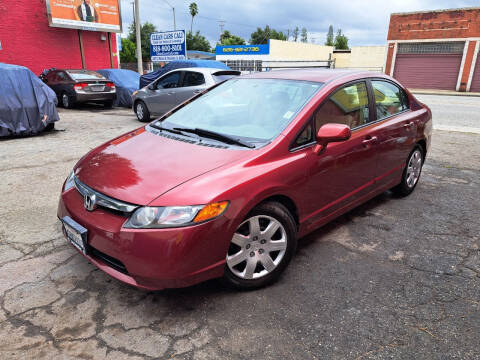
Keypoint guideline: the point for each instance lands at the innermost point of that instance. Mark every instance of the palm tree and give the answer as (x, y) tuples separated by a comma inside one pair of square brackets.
[(193, 11)]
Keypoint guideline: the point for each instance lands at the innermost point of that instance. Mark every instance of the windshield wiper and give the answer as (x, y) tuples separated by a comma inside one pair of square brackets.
[(158, 127), (217, 136)]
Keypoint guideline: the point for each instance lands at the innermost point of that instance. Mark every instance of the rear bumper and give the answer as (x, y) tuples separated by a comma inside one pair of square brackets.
[(153, 259), (100, 96)]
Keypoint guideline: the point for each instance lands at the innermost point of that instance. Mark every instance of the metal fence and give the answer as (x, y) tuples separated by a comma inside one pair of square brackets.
[(249, 66)]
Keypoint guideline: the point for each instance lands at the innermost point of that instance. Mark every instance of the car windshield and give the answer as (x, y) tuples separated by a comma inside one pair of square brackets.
[(254, 109), (84, 75)]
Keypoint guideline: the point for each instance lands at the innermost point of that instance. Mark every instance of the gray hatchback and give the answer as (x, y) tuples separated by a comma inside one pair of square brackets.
[(174, 88)]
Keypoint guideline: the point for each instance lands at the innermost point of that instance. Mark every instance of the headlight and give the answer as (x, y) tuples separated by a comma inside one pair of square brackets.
[(174, 216), (69, 183)]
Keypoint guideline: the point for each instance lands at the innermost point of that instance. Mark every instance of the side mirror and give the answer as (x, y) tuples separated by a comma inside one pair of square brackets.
[(151, 87), (331, 133)]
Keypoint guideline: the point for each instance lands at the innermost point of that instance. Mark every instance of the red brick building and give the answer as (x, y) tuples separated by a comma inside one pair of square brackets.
[(435, 49), (27, 39)]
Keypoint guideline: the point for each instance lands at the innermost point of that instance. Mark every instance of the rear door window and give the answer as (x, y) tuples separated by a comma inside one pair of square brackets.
[(389, 99), (193, 79), (61, 76), (348, 106)]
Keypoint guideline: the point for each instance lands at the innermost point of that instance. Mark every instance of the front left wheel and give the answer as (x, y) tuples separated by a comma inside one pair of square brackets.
[(142, 112), (261, 247)]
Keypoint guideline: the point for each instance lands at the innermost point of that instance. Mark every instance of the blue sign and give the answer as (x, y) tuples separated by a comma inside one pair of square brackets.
[(263, 49), (168, 46)]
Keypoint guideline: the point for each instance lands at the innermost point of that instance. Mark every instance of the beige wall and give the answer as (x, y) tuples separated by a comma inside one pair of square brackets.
[(289, 50), (362, 57), (342, 60)]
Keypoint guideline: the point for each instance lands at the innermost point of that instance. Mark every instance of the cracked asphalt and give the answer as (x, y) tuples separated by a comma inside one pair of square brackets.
[(392, 279)]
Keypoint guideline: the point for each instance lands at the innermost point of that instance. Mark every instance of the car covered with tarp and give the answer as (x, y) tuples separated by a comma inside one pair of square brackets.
[(126, 82), (177, 64), (27, 105)]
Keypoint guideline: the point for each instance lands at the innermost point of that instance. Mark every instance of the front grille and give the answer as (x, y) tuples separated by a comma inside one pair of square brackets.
[(108, 260), (104, 201)]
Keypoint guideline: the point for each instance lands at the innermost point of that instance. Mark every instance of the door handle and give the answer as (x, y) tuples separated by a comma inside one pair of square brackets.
[(197, 91), (369, 140), (170, 93), (408, 125)]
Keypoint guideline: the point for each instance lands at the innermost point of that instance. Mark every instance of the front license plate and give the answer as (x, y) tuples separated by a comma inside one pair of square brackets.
[(75, 233)]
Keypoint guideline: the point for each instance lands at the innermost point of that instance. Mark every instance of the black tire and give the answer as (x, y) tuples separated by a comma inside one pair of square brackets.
[(406, 187), (281, 214), (142, 113), (67, 101), (108, 104)]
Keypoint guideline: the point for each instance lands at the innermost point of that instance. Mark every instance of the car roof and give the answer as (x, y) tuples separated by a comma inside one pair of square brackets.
[(316, 75), (199, 69)]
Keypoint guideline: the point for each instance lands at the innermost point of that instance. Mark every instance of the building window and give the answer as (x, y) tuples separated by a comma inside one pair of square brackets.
[(446, 47)]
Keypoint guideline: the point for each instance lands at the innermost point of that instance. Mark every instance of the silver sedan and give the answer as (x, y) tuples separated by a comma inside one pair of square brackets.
[(174, 88)]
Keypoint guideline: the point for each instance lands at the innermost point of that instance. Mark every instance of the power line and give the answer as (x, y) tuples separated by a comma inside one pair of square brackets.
[(225, 21)]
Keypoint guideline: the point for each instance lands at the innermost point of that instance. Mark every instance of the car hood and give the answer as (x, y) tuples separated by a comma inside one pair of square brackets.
[(140, 166)]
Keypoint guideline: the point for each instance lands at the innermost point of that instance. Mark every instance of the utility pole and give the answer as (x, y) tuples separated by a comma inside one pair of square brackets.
[(173, 9), (221, 23), (139, 39), (174, 21)]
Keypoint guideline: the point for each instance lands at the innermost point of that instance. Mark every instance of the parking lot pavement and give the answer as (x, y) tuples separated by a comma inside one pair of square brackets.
[(394, 278)]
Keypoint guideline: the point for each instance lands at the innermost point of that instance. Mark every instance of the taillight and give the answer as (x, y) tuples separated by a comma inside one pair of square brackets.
[(111, 85), (80, 86)]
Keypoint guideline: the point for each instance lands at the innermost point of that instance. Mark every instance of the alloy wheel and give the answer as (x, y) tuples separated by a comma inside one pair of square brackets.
[(140, 111), (257, 247), (413, 168), (65, 101)]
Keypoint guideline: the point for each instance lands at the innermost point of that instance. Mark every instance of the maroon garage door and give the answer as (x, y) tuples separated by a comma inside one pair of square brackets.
[(429, 65), (475, 85)]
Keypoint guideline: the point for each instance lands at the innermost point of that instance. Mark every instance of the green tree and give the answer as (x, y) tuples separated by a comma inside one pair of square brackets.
[(127, 54), (197, 42), (261, 36), (304, 37), (145, 31), (229, 39), (193, 12), (329, 41), (341, 41), (296, 31)]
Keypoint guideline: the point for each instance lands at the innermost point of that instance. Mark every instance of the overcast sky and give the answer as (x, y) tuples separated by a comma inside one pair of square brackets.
[(363, 22)]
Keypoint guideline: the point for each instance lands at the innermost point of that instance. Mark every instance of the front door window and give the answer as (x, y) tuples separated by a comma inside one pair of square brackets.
[(348, 106)]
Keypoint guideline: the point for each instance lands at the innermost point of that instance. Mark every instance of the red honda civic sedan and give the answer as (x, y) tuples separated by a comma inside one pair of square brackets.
[(224, 184)]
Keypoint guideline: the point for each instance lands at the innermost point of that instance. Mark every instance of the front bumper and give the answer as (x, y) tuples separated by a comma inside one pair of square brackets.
[(152, 259)]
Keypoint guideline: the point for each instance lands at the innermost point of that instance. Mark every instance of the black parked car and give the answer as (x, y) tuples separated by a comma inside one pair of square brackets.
[(80, 86)]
